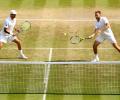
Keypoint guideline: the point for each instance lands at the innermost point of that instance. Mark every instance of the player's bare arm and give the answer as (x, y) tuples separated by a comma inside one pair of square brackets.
[(100, 30), (17, 29), (95, 33), (7, 30)]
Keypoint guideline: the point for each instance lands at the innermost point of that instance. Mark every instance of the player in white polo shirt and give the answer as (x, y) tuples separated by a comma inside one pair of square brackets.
[(7, 35), (103, 32)]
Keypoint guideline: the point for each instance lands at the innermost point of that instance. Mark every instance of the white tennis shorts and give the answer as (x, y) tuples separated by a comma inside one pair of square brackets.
[(7, 38), (106, 36)]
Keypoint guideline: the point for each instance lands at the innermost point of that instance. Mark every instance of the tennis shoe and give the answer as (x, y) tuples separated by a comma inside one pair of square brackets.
[(95, 60), (23, 57)]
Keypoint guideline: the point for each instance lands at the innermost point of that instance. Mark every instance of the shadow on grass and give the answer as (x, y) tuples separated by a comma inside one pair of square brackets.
[(7, 58), (69, 61)]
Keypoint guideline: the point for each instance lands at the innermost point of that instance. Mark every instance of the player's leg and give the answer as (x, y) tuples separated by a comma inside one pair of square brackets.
[(18, 43), (116, 46), (95, 49), (97, 42), (112, 39), (2, 40), (95, 46), (1, 44)]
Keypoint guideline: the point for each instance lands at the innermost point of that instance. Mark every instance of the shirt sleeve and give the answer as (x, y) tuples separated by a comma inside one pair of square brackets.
[(6, 24), (105, 20), (96, 26)]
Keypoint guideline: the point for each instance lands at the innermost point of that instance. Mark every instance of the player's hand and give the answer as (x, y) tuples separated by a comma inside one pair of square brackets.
[(14, 34), (98, 31), (91, 36), (17, 30)]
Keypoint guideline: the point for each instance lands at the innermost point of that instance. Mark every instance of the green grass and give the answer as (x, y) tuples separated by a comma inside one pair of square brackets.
[(89, 3), (67, 79), (21, 96), (56, 97), (46, 36), (20, 78), (65, 3), (84, 79), (51, 35), (81, 97), (114, 4), (37, 4), (15, 3), (63, 78)]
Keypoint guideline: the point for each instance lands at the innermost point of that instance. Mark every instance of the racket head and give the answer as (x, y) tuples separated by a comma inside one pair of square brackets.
[(75, 39), (25, 26)]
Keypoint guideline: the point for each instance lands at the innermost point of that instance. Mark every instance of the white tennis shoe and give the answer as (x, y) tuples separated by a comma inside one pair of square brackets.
[(96, 59), (23, 57)]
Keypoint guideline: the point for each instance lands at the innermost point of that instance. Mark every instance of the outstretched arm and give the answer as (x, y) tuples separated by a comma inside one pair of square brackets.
[(100, 30), (96, 32)]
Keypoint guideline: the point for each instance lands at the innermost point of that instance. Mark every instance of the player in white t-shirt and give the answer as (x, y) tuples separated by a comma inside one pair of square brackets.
[(7, 35), (103, 32)]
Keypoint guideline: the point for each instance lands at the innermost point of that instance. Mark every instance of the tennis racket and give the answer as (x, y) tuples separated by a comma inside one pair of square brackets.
[(77, 39), (24, 26)]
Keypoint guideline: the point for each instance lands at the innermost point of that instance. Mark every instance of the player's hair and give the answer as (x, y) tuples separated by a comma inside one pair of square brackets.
[(98, 11)]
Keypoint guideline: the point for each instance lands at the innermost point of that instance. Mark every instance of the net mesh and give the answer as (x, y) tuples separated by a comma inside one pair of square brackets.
[(63, 78), (21, 78)]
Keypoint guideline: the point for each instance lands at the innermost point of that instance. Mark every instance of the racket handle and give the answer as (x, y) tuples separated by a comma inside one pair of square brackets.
[(88, 38)]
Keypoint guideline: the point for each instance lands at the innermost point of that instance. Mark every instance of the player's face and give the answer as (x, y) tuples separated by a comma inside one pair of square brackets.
[(97, 16), (12, 16)]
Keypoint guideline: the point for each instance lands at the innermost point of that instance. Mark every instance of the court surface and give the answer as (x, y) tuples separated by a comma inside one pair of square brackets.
[(46, 41)]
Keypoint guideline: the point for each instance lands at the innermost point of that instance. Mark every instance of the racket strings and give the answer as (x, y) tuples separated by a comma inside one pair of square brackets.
[(75, 39), (25, 26)]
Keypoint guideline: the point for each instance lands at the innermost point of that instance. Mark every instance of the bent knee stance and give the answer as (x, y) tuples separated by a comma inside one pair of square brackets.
[(95, 45), (115, 45), (1, 44)]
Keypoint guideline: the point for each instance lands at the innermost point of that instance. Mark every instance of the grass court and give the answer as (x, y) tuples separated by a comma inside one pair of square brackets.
[(50, 20)]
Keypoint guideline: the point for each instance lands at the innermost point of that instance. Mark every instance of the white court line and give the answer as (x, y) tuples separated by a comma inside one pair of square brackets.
[(46, 77), (52, 63), (66, 20), (62, 20), (59, 20), (58, 48)]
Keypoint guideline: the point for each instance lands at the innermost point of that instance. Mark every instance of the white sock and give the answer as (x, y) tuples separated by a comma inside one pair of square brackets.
[(96, 56), (21, 52)]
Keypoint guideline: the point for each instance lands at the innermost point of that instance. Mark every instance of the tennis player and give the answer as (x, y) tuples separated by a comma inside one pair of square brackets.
[(7, 35), (103, 32)]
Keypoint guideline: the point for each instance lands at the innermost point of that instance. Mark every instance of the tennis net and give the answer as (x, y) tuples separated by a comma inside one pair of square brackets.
[(60, 77)]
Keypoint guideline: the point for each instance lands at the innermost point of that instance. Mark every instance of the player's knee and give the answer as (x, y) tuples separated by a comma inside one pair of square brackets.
[(116, 46), (17, 41), (1, 44), (94, 45)]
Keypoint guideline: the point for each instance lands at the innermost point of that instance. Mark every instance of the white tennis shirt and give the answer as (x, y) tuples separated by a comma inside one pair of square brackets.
[(9, 23), (101, 23)]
